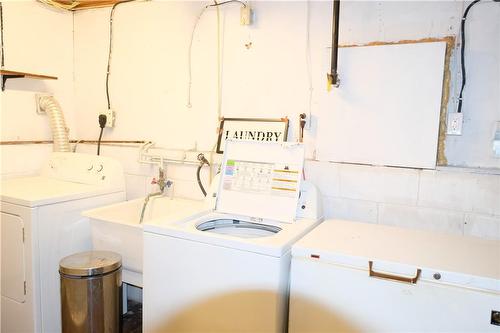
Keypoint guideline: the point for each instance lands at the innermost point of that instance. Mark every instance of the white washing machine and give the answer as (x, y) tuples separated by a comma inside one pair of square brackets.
[(40, 224), (228, 270)]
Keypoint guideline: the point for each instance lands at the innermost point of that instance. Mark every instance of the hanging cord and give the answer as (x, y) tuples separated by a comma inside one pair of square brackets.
[(462, 54), (102, 124), (190, 75), (1, 33), (219, 68), (190, 53), (111, 47), (308, 56)]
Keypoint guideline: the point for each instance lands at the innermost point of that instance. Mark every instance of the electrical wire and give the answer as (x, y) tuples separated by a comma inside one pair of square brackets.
[(99, 142), (190, 74), (190, 53), (462, 54), (111, 47), (1, 33), (219, 67), (308, 58)]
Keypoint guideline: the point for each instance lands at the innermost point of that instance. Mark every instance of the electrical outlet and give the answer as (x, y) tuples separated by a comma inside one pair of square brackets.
[(496, 140), (110, 117), (454, 124)]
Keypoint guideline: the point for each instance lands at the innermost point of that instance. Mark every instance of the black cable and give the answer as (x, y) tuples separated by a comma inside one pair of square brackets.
[(110, 47), (102, 124), (99, 143), (462, 54), (200, 184), (1, 33)]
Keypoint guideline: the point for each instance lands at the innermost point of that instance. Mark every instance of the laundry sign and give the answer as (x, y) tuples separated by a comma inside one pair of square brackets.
[(252, 129)]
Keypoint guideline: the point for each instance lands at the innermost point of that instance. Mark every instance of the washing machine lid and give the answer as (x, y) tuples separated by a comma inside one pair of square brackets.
[(261, 180)]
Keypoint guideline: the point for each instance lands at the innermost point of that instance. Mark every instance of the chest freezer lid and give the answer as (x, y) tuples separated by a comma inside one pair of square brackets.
[(464, 261), (261, 180)]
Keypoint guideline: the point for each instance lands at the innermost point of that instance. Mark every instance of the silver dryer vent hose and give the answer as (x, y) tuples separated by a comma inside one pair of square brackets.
[(57, 124)]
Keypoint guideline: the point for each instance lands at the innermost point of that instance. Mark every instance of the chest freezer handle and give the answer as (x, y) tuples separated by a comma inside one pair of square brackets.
[(393, 277)]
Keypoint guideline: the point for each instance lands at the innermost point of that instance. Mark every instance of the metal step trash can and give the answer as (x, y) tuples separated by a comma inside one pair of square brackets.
[(91, 292)]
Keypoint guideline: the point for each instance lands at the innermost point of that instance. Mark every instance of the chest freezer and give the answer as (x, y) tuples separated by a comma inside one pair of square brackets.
[(357, 277)]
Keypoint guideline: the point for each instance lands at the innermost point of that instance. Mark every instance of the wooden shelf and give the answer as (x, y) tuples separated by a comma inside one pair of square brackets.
[(6, 74)]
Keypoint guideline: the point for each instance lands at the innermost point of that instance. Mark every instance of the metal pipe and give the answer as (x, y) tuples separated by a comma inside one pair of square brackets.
[(333, 75)]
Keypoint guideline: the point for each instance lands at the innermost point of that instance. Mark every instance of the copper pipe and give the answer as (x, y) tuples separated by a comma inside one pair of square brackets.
[(38, 142)]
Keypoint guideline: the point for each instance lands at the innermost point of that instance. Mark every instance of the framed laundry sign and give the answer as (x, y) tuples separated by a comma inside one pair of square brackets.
[(252, 129)]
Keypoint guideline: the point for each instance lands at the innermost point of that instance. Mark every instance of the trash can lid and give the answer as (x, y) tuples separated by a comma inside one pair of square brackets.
[(90, 263)]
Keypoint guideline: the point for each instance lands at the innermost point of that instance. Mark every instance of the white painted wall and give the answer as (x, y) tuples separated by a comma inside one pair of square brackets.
[(149, 66), (149, 80), (37, 39)]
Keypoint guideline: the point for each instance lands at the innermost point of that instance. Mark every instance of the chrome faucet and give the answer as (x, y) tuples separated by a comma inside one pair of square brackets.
[(162, 183)]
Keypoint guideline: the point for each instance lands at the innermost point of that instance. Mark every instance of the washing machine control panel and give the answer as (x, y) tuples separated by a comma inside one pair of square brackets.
[(261, 179), (85, 168)]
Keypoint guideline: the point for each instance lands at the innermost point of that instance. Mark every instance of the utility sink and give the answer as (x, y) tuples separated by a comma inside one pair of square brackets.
[(117, 228)]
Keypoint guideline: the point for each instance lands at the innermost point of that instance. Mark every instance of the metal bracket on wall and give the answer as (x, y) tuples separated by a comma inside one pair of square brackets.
[(6, 77)]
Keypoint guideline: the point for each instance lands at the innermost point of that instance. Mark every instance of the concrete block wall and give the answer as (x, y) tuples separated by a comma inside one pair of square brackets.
[(138, 176), (451, 200)]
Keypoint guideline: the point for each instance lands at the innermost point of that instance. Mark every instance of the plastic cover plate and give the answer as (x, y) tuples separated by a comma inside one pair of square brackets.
[(260, 179)]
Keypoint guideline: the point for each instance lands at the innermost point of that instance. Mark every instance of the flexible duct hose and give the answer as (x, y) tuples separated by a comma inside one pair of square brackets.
[(57, 123)]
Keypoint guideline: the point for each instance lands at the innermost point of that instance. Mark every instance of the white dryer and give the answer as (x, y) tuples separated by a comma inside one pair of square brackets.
[(40, 224), (228, 270)]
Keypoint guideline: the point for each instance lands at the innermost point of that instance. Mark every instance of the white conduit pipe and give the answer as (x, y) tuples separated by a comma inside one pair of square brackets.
[(57, 124)]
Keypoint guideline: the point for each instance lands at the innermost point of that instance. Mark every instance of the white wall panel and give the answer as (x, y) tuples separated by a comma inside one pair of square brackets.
[(386, 110)]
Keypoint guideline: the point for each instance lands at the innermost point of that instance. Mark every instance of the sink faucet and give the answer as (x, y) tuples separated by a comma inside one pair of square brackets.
[(162, 183)]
